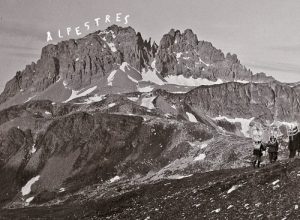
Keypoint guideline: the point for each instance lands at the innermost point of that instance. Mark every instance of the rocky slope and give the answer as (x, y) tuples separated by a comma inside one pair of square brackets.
[(268, 193), (134, 138), (108, 119), (73, 146)]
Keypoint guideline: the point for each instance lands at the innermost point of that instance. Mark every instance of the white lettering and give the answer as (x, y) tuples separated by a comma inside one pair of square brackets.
[(118, 17), (77, 31), (86, 24), (49, 36), (126, 19), (59, 34), (68, 31), (97, 21), (107, 18)]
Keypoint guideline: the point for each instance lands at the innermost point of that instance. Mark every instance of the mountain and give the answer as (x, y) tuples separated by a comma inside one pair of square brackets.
[(179, 59), (114, 121), (183, 54)]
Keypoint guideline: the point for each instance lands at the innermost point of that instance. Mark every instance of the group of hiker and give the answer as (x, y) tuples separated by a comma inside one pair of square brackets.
[(272, 147), (259, 147)]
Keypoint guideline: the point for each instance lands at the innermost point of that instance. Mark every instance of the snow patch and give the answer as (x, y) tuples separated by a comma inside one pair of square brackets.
[(29, 200), (233, 188), (191, 117), (178, 92), (204, 145), (95, 98), (76, 94), (134, 99), (201, 61), (178, 177), (230, 206), (216, 210), (107, 32), (168, 115), (114, 179), (151, 76), (65, 84), (242, 81), (258, 204), (145, 89), (148, 102), (181, 80), (77, 59), (47, 113), (33, 149), (111, 77), (30, 98), (112, 47), (62, 189), (123, 66), (111, 105), (178, 55), (275, 182), (132, 79), (27, 188), (200, 157)]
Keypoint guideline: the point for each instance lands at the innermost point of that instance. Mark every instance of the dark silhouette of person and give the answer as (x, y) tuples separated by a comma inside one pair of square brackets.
[(272, 146), (294, 141), (258, 152)]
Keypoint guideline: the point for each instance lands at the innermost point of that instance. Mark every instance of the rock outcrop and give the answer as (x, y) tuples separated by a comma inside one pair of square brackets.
[(260, 100), (182, 54)]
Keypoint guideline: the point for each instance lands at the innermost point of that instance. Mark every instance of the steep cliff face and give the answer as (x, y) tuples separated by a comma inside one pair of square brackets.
[(262, 101), (182, 54), (265, 102), (83, 61)]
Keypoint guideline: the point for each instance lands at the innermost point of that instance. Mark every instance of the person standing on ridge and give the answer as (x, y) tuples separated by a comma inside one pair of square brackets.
[(273, 149), (294, 141), (258, 152)]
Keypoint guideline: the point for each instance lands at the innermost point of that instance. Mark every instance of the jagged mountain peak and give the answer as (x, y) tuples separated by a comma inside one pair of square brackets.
[(86, 61)]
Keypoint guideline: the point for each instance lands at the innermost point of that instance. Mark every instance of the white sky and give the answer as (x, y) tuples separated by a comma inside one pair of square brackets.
[(265, 34)]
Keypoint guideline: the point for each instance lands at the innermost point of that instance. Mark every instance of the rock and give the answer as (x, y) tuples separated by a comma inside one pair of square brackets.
[(236, 100)]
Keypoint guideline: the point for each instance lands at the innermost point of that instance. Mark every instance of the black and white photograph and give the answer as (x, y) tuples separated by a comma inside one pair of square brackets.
[(149, 110)]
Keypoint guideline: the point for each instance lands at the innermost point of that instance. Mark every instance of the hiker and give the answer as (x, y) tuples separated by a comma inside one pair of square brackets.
[(273, 149), (294, 141), (258, 152)]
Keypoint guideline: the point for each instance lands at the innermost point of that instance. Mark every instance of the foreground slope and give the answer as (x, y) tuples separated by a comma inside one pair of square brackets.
[(271, 192)]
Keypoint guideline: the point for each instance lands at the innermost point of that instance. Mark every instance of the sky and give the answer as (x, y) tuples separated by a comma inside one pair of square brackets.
[(265, 34)]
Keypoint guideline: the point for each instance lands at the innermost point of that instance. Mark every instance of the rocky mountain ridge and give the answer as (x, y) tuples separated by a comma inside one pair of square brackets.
[(85, 61)]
